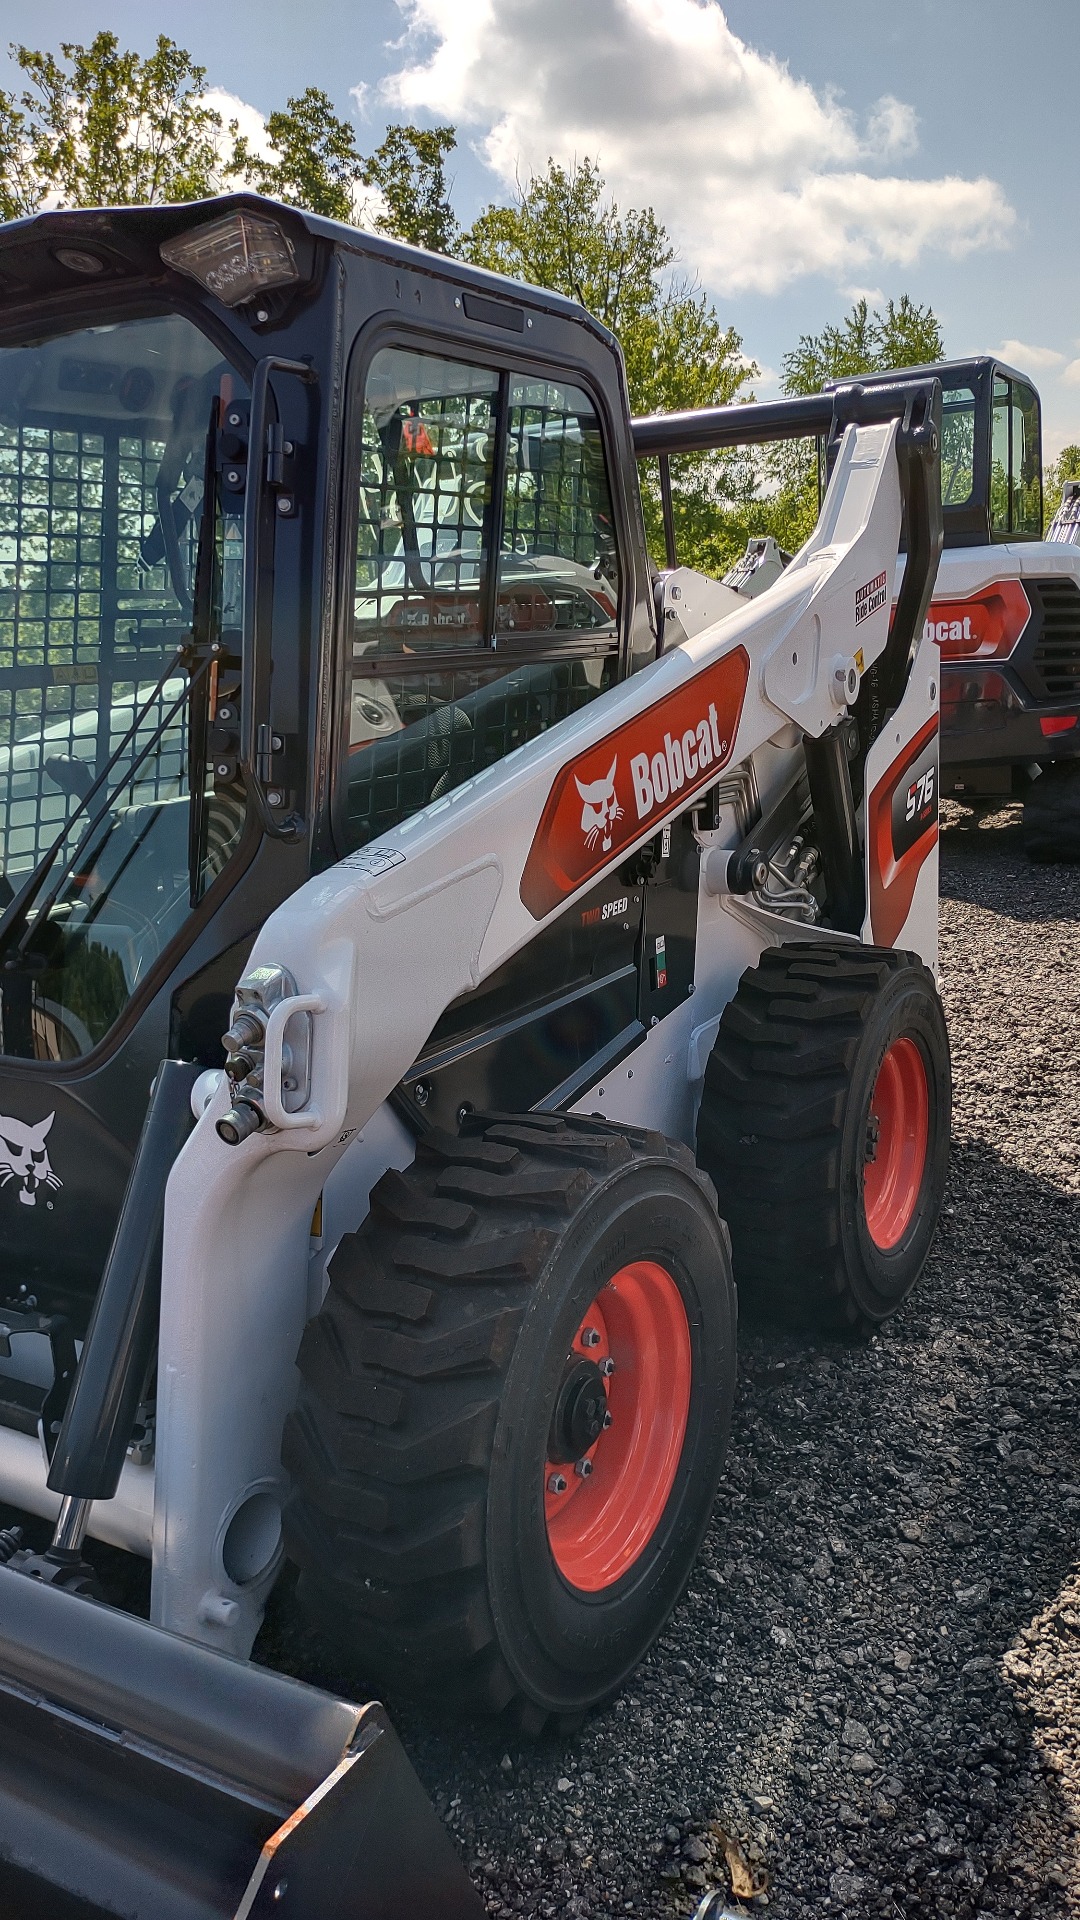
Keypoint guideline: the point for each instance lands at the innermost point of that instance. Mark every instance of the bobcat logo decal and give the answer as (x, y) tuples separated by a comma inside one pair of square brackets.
[(25, 1157), (601, 808)]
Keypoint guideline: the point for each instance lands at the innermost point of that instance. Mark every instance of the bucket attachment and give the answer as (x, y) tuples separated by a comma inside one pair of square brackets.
[(144, 1776)]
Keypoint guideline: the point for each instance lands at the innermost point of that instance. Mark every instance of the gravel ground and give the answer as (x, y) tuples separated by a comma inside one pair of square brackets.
[(869, 1698)]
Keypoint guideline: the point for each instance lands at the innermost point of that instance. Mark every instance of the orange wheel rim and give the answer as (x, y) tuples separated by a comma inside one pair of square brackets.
[(603, 1506), (897, 1135)]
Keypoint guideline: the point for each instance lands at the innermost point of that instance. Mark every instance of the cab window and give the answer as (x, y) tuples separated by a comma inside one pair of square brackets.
[(957, 446), (485, 587), (1015, 460)]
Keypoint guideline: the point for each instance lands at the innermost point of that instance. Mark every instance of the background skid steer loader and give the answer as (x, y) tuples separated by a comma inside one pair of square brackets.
[(347, 718), (1006, 609)]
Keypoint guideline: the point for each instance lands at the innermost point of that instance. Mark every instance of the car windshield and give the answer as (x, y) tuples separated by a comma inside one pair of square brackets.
[(103, 443)]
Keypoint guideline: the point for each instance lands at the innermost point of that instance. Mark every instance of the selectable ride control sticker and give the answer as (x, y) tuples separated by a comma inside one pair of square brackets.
[(606, 799)]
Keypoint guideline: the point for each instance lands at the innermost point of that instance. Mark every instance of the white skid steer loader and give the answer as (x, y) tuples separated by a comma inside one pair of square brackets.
[(440, 956)]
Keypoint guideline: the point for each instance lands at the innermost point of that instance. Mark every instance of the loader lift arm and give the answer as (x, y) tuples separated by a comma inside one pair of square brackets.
[(917, 406)]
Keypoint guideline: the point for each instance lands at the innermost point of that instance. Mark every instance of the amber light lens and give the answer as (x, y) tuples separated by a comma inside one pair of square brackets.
[(234, 258), (986, 626)]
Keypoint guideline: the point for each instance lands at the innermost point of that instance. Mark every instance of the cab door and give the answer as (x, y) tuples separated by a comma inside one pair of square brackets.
[(486, 584)]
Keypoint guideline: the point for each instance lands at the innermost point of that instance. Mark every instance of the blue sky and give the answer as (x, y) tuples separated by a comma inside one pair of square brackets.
[(798, 150)]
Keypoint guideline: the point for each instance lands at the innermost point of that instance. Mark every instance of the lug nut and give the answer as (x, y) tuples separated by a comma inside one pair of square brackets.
[(607, 1368), (590, 1337), (583, 1468), (556, 1483)]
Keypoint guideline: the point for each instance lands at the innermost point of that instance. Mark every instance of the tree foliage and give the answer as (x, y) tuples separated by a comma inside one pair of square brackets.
[(867, 340), (101, 126), (316, 164), (563, 232), (1065, 467), (409, 172), (901, 334)]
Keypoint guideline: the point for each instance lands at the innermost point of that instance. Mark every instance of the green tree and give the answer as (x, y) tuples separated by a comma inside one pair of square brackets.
[(317, 165), (20, 191), (104, 127), (899, 335), (562, 232), (409, 170), (867, 340), (1065, 467)]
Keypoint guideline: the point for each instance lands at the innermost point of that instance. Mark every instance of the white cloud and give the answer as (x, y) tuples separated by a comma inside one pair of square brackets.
[(1071, 375), (1023, 356), (250, 123), (759, 177), (892, 127)]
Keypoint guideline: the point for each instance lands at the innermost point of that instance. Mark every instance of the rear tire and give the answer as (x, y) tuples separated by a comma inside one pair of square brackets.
[(1052, 814), (825, 1126), (508, 1290)]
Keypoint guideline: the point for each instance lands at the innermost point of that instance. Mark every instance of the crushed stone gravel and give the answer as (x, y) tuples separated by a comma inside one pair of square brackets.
[(870, 1692)]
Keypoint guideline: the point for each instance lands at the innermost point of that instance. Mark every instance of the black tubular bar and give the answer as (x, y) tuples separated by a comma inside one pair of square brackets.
[(836, 826), (669, 511), (100, 1415), (707, 429)]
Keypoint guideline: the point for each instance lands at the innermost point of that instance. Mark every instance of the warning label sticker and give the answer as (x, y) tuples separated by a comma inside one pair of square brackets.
[(374, 860), (868, 599)]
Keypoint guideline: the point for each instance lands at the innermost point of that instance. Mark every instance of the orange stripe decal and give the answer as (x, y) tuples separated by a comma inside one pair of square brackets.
[(903, 827)]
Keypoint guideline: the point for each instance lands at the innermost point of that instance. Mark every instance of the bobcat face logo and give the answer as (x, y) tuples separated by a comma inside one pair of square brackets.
[(601, 808), (25, 1157)]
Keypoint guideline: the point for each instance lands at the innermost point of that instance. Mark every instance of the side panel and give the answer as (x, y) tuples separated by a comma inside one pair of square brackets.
[(902, 781)]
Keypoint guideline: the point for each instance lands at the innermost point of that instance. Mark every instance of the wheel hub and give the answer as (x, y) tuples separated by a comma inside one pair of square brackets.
[(580, 1411), (620, 1416), (897, 1141)]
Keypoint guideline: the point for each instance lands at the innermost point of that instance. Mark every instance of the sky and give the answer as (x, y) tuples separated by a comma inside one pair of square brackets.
[(800, 152)]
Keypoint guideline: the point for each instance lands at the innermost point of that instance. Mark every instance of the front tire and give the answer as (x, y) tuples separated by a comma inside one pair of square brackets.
[(824, 1124), (515, 1406)]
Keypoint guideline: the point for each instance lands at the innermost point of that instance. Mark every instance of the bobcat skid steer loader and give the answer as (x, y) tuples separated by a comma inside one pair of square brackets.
[(401, 882)]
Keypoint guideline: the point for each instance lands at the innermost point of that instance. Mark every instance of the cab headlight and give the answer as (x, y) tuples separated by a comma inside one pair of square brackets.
[(235, 258)]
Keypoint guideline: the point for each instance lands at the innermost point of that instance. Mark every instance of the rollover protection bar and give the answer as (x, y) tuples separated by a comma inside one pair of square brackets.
[(916, 402)]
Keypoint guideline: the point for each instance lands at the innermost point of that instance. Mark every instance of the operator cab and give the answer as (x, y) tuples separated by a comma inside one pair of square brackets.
[(991, 450)]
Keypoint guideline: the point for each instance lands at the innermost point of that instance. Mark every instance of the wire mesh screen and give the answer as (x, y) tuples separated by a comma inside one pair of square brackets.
[(450, 726), (558, 566), (426, 458), (85, 626), (103, 456)]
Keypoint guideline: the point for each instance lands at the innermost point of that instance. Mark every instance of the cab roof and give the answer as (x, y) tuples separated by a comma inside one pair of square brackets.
[(126, 241)]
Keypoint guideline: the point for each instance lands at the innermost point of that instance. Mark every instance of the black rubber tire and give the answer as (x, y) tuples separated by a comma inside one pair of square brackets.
[(430, 1374), (1052, 814), (783, 1128)]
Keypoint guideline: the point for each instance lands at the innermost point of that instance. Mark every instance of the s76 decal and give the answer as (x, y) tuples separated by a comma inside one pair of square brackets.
[(902, 827)]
